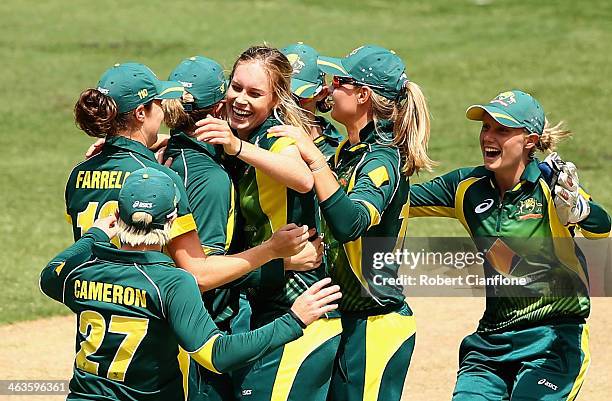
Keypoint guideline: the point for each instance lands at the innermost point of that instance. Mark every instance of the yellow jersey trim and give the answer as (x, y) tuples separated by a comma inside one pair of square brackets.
[(459, 196), (562, 238), (281, 143), (182, 225), (204, 355), (379, 176), (296, 352), (590, 235), (385, 334), (59, 268), (586, 361), (432, 211)]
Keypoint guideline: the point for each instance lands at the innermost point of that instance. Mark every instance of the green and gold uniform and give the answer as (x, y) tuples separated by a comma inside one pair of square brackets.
[(304, 366), (525, 347), (212, 200), (211, 197), (378, 327), (134, 310), (329, 139), (93, 187)]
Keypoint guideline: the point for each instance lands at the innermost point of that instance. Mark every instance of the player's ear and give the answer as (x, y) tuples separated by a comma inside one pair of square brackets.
[(363, 94), (139, 113), (531, 140), (218, 109)]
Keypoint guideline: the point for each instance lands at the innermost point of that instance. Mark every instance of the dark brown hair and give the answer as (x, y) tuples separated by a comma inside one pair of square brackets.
[(97, 115)]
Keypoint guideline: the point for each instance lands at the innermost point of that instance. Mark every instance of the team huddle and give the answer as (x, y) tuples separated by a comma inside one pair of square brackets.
[(225, 261)]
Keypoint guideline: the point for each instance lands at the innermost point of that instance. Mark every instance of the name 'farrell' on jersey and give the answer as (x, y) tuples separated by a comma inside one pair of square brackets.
[(93, 187), (520, 236)]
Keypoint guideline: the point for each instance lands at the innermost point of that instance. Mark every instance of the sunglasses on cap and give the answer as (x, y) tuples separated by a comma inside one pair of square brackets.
[(339, 81)]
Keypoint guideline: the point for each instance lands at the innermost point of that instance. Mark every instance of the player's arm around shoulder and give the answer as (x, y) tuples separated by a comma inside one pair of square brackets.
[(55, 273), (184, 222), (436, 197)]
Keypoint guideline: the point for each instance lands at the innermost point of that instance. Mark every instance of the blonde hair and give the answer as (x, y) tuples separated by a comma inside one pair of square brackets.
[(551, 136), (176, 117), (279, 72), (411, 126), (133, 236)]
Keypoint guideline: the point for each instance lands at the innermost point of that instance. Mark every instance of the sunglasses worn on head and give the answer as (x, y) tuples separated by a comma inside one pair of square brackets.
[(339, 81)]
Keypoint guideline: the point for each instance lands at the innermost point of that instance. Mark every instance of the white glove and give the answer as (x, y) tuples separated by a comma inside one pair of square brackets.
[(571, 206)]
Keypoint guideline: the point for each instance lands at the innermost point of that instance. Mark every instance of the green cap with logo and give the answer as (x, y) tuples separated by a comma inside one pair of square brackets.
[(203, 78), (372, 66), (151, 191), (513, 109), (133, 84), (307, 79)]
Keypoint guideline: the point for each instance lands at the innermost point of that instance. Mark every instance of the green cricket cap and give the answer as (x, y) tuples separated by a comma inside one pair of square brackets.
[(513, 109), (151, 191), (307, 79), (203, 78), (370, 65), (133, 84)]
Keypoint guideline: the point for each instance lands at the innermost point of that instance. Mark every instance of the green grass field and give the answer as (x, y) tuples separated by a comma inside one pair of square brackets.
[(460, 52)]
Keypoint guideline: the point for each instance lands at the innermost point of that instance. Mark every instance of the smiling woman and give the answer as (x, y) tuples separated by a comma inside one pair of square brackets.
[(274, 187), (510, 207)]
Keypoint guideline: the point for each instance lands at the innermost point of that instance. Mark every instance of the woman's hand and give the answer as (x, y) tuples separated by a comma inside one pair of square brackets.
[(288, 240), (572, 207), (108, 225), (309, 151), (316, 301), (308, 258), (217, 132), (95, 148)]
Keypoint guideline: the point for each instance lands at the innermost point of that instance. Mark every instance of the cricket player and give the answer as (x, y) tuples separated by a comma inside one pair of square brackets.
[(274, 188), (310, 92), (532, 344), (212, 195), (387, 121), (135, 308)]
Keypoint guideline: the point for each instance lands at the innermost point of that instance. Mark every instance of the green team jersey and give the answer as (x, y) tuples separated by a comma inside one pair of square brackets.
[(520, 235), (265, 206), (93, 187), (329, 139), (371, 206), (211, 197), (134, 309)]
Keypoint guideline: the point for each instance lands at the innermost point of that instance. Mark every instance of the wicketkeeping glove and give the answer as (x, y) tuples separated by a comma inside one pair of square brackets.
[(571, 206)]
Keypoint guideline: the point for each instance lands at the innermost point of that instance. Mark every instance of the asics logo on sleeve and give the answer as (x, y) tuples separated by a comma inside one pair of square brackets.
[(548, 384), (484, 206)]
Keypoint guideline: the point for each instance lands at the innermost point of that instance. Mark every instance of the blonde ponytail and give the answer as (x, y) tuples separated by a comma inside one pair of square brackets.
[(140, 233), (174, 113), (411, 126), (177, 118), (551, 136)]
